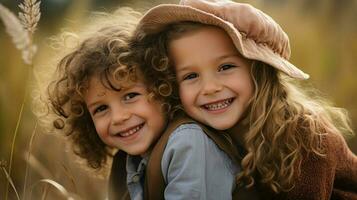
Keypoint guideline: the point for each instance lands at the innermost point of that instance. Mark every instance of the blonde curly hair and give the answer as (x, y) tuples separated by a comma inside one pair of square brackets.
[(286, 121)]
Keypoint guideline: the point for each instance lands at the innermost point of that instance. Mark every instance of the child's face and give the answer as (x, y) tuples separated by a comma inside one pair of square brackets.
[(125, 119), (214, 79)]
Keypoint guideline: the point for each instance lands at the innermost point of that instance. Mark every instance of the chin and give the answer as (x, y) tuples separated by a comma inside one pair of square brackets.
[(136, 152), (221, 127)]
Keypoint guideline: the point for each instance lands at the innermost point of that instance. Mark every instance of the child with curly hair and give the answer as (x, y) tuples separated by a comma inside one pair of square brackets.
[(102, 99), (232, 73)]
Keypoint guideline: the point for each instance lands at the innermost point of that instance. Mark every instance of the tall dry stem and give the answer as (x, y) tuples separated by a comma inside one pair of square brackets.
[(28, 159), (55, 185), (9, 179), (70, 177), (21, 31)]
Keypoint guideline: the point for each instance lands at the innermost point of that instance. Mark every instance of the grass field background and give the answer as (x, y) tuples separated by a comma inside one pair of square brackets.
[(323, 37)]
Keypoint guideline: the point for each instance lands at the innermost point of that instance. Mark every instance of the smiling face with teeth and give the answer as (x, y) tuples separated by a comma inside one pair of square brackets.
[(125, 119), (214, 80)]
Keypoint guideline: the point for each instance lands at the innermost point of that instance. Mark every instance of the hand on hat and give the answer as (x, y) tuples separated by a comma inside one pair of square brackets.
[(247, 19)]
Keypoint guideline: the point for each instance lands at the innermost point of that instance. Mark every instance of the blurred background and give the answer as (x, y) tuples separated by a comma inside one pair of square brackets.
[(323, 36)]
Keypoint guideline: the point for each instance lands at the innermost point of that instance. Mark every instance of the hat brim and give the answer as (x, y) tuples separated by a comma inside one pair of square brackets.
[(159, 17)]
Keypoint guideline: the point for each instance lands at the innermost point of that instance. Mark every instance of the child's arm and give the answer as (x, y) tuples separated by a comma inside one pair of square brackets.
[(333, 176), (195, 168), (345, 184)]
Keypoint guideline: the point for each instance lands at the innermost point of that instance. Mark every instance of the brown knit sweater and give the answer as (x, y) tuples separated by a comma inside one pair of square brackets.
[(333, 176)]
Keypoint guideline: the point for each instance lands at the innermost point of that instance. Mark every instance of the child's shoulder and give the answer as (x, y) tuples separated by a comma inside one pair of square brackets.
[(332, 148), (193, 140), (192, 157), (185, 131), (188, 134), (191, 128), (336, 168), (334, 144), (184, 126)]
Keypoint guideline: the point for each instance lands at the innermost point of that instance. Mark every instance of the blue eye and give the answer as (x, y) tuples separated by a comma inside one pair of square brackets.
[(226, 67), (99, 109), (130, 96), (190, 76)]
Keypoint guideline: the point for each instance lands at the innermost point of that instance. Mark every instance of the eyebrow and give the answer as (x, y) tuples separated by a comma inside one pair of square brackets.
[(185, 68), (93, 103), (123, 89), (96, 99), (233, 55)]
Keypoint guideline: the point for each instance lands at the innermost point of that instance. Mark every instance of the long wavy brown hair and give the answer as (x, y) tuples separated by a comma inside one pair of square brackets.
[(286, 120)]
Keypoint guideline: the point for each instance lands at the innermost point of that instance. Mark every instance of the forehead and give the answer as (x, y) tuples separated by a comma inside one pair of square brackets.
[(204, 42), (98, 82), (204, 35)]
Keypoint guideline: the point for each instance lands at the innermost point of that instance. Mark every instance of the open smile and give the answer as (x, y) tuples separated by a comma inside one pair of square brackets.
[(218, 105), (130, 131)]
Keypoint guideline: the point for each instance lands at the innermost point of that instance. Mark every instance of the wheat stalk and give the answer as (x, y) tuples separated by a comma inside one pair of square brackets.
[(30, 14), (21, 31), (3, 165), (29, 17), (14, 28)]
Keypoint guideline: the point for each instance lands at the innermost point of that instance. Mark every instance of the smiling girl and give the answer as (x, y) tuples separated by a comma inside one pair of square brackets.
[(238, 80), (103, 100)]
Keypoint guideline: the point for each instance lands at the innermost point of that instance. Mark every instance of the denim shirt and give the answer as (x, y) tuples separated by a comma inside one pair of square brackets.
[(192, 165), (135, 168)]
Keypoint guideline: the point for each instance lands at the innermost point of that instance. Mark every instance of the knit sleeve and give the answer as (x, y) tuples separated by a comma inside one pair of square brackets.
[(316, 173), (345, 184)]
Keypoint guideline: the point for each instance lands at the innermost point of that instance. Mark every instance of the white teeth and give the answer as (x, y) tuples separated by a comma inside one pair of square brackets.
[(218, 106), (131, 131)]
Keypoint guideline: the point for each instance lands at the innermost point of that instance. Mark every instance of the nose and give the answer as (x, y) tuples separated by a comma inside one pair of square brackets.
[(120, 116), (211, 86)]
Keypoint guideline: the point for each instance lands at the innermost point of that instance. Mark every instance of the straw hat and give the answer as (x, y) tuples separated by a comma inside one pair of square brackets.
[(256, 35)]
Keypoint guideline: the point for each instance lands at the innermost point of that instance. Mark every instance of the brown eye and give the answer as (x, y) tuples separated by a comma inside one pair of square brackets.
[(130, 96), (226, 67), (100, 108), (190, 76)]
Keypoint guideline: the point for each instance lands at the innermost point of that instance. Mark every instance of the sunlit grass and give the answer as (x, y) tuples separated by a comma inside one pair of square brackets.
[(326, 51)]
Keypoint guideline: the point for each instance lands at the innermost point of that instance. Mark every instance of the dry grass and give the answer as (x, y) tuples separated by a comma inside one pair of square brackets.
[(9, 179), (21, 31), (52, 171), (59, 188)]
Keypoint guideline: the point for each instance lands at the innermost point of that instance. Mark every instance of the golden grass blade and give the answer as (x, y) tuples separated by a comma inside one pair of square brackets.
[(70, 176), (13, 141), (45, 192), (55, 185), (14, 28), (21, 35), (11, 182), (37, 166), (28, 158)]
